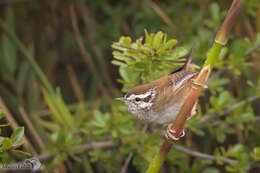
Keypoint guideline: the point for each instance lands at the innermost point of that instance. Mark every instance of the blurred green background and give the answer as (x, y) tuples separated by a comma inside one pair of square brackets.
[(57, 81)]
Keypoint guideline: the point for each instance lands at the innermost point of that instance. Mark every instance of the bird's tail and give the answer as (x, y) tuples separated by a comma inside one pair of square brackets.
[(189, 59)]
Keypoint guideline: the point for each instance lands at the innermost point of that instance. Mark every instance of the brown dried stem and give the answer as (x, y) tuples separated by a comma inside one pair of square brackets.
[(177, 126), (85, 53), (161, 14), (14, 125), (193, 96), (91, 33), (222, 36), (75, 84), (32, 130)]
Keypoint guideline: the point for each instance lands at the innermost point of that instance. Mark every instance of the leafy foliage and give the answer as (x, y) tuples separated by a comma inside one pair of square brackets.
[(144, 62), (82, 109)]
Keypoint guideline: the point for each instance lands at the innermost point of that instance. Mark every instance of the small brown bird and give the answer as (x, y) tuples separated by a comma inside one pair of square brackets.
[(161, 100)]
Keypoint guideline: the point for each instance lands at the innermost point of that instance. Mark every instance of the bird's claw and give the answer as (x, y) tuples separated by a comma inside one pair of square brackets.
[(198, 84), (170, 134)]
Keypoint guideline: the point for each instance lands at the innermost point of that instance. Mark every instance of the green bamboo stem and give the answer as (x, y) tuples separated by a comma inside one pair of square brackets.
[(159, 158), (213, 54), (43, 79), (220, 41), (178, 123)]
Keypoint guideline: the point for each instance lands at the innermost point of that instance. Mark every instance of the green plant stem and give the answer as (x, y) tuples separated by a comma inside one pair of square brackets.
[(43, 79), (220, 41), (158, 160), (213, 54)]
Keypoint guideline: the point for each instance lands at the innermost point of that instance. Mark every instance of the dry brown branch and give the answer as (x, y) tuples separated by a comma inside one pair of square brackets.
[(130, 156), (14, 125), (85, 147), (161, 14), (32, 130), (127, 161), (11, 1), (91, 33), (74, 83), (209, 157), (222, 36), (210, 117), (80, 42), (250, 51), (190, 101), (85, 54), (176, 128)]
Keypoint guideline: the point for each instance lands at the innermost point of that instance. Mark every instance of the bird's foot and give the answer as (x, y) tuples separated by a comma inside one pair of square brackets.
[(198, 84), (172, 134)]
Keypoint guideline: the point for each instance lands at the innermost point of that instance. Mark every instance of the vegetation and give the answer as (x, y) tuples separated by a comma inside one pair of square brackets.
[(59, 81)]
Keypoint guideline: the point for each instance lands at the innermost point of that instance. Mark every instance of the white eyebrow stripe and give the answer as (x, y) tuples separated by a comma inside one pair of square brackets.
[(151, 92), (141, 96)]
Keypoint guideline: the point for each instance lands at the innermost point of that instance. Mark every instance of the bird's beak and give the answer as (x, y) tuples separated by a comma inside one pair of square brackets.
[(120, 99)]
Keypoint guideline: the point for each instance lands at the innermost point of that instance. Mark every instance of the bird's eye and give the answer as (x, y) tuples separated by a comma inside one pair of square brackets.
[(137, 99)]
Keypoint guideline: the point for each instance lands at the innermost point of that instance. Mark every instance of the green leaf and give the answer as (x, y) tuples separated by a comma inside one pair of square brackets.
[(122, 57), (179, 52), (233, 151), (223, 98), (214, 9), (157, 39), (8, 48), (50, 99), (140, 66), (6, 144), (4, 125), (1, 114), (171, 43), (17, 136), (126, 41), (211, 170), (22, 152), (256, 154), (125, 73), (221, 137), (119, 63), (147, 37), (247, 116), (64, 110)]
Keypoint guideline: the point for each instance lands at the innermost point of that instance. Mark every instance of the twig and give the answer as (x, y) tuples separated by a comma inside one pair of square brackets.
[(210, 117), (14, 125), (216, 75), (257, 118), (80, 42), (130, 156), (209, 157), (75, 84), (161, 14), (84, 52), (250, 51), (11, 1), (176, 128), (222, 35), (91, 33), (32, 130), (84, 147)]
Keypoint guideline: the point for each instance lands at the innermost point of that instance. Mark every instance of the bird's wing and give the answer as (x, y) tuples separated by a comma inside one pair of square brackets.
[(178, 80)]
